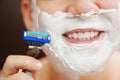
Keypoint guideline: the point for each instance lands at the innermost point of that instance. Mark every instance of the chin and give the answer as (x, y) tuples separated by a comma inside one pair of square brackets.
[(79, 59)]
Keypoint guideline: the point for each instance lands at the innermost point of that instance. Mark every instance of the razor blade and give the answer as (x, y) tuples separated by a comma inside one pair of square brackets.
[(35, 40), (36, 37)]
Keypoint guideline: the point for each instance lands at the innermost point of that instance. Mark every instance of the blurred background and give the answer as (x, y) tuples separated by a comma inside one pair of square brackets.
[(11, 29)]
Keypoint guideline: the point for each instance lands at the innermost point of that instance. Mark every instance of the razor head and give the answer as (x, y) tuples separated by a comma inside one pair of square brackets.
[(36, 37)]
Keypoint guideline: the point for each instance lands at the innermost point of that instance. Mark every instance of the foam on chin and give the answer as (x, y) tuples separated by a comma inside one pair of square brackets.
[(79, 58)]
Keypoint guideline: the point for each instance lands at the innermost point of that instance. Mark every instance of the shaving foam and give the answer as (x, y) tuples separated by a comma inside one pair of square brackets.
[(77, 59)]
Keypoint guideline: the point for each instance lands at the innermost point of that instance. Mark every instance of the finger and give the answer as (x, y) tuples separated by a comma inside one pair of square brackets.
[(14, 63), (20, 76)]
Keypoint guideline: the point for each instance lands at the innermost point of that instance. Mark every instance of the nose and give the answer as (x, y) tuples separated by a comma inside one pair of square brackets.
[(82, 6)]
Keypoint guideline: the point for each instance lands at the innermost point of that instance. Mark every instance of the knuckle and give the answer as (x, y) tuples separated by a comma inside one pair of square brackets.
[(9, 59), (29, 60)]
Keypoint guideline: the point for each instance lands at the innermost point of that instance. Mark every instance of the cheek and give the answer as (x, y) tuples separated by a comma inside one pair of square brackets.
[(108, 4)]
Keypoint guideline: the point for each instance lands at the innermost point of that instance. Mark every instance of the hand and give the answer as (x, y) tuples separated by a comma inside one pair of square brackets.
[(13, 65)]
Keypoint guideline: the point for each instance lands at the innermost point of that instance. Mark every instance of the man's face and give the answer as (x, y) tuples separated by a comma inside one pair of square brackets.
[(81, 31)]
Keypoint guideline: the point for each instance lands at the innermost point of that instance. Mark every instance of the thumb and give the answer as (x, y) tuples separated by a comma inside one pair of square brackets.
[(14, 63)]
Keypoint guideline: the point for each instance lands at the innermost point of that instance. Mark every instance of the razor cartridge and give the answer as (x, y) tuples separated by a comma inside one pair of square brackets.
[(36, 37)]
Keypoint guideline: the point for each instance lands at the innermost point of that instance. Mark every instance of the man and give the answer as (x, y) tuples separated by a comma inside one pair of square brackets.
[(84, 41)]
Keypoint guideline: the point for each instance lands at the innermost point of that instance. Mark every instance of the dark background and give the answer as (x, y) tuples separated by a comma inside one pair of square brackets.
[(11, 29)]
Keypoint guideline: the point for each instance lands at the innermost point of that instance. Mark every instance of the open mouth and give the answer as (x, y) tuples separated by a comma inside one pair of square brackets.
[(82, 35)]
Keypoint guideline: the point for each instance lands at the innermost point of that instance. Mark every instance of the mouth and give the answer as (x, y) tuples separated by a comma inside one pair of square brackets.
[(82, 35)]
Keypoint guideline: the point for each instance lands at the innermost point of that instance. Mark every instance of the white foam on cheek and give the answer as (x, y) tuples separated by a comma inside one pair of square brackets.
[(116, 23), (85, 58)]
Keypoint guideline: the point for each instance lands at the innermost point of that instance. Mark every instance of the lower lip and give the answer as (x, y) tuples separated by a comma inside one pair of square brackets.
[(77, 41)]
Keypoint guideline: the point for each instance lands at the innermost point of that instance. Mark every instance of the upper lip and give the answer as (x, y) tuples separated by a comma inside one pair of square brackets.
[(82, 30)]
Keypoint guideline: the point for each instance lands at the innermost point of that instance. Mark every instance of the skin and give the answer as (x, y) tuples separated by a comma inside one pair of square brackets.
[(41, 69)]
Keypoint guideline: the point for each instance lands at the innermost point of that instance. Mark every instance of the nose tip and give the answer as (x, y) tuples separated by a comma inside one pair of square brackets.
[(82, 6)]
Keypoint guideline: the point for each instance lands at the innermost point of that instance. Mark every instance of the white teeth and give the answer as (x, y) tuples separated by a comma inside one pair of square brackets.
[(96, 33), (91, 34), (80, 35), (86, 34), (70, 36), (75, 35), (83, 35)]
